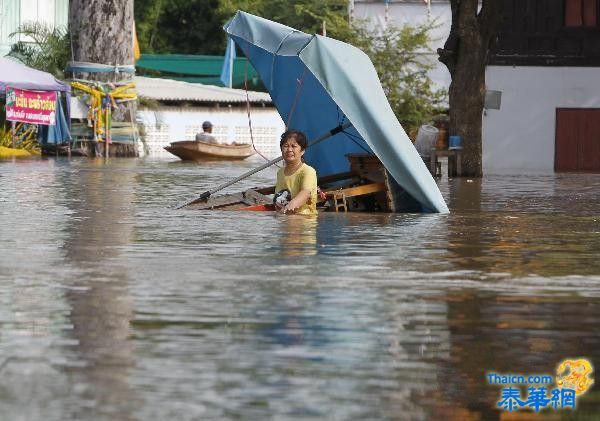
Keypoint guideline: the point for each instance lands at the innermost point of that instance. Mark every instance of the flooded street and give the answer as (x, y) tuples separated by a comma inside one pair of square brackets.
[(115, 306)]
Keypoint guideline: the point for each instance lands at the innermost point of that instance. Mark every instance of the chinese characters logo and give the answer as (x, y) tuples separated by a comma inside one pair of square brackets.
[(573, 379)]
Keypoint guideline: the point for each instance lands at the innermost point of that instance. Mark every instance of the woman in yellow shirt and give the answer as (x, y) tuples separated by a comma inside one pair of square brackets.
[(296, 178)]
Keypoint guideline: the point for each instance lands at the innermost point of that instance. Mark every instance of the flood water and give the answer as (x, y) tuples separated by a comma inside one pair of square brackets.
[(115, 306)]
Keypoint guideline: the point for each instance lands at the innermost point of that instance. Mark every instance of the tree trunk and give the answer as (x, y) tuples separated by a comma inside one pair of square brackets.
[(465, 54), (102, 32)]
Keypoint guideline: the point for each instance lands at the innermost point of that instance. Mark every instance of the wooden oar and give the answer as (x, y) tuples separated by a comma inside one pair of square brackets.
[(208, 193)]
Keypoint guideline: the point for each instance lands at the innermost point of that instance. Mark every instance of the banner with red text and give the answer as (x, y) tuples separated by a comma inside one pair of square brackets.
[(35, 107)]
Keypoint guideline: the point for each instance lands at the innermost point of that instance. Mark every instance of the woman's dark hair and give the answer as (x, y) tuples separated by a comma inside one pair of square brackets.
[(294, 134)]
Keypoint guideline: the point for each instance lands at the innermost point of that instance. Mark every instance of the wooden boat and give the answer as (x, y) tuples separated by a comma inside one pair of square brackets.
[(367, 187), (194, 150)]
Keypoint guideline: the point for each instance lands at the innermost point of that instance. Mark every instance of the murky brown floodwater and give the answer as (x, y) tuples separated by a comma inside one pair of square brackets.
[(114, 306)]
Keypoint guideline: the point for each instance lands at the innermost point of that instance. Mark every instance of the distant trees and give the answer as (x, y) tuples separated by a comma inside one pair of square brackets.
[(180, 26), (195, 27), (306, 15), (400, 56), (46, 48)]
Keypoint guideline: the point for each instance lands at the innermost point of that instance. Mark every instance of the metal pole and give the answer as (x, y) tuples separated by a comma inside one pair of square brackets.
[(106, 135), (231, 46), (13, 132), (208, 193), (387, 10)]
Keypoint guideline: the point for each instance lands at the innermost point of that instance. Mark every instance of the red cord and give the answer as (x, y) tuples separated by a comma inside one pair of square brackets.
[(298, 86), (248, 111)]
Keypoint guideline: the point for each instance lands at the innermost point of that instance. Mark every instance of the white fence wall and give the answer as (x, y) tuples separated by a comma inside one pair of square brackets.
[(170, 124), (14, 13)]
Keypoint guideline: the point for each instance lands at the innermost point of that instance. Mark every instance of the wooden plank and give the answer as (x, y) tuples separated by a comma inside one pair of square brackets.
[(265, 190), (358, 190), (564, 159), (252, 197), (567, 139), (589, 141), (218, 202), (367, 166), (265, 207), (391, 186), (231, 201), (589, 13)]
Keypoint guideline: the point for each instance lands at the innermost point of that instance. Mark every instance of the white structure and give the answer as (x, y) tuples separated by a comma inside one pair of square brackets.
[(169, 124), (521, 134), (545, 65), (378, 14), (13, 13), (225, 108), (520, 137)]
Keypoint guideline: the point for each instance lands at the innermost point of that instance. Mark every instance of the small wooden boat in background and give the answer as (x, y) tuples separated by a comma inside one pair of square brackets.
[(194, 150)]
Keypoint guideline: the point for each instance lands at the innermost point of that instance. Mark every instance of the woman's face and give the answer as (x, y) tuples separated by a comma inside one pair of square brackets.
[(291, 151)]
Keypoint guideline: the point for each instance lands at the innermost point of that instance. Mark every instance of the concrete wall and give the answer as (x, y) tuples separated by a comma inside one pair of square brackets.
[(520, 136), (170, 124)]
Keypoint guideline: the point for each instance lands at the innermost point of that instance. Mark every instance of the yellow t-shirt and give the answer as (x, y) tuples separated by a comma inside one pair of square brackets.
[(304, 178)]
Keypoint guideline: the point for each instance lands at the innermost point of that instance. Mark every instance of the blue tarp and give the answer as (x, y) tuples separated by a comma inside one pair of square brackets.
[(58, 133), (318, 84)]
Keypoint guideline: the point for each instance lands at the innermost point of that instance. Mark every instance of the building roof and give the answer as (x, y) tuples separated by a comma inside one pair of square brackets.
[(175, 90), (198, 68)]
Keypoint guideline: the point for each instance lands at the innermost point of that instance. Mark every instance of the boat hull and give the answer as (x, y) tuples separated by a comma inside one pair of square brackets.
[(190, 150)]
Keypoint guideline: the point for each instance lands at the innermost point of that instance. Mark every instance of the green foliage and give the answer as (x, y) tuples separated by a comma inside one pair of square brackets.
[(400, 56), (25, 136), (179, 26), (195, 27), (305, 15), (148, 103), (49, 49), (5, 136)]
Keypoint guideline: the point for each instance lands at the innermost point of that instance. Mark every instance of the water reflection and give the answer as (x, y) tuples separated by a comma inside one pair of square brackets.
[(507, 334), (128, 309), (298, 235), (513, 239), (101, 307)]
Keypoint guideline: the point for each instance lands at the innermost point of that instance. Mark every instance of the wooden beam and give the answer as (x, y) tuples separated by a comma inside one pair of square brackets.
[(358, 190)]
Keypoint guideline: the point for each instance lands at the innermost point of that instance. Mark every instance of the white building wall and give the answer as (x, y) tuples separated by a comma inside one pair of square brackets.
[(520, 136), (14, 13), (170, 124), (412, 12)]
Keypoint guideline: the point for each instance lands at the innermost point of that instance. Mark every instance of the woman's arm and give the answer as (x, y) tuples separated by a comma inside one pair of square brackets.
[(301, 198)]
